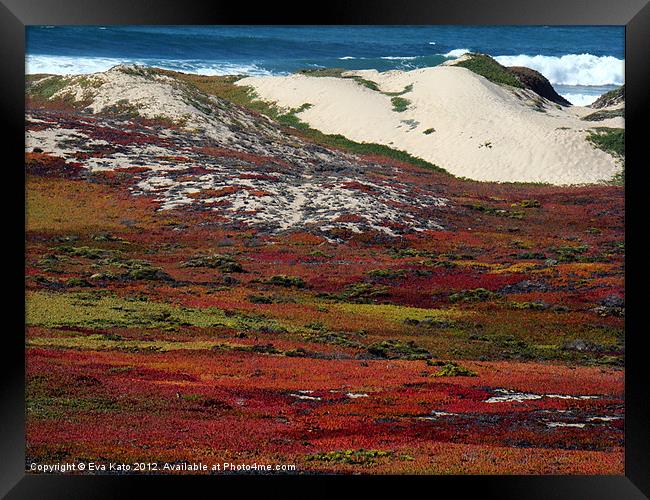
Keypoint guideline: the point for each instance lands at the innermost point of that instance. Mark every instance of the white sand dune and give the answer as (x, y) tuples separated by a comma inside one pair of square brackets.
[(475, 128)]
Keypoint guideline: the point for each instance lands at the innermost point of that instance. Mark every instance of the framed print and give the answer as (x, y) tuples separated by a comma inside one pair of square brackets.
[(378, 243)]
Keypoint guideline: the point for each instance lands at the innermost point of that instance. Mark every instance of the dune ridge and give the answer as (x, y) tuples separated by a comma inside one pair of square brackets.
[(454, 118)]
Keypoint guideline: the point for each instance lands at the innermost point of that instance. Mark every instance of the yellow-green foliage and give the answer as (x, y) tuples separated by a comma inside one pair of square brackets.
[(399, 314), (350, 456), (98, 342), (92, 310), (452, 369)]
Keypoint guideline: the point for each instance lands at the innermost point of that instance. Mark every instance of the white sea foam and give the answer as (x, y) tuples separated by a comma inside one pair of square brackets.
[(68, 65), (72, 65), (572, 69), (399, 58), (456, 52), (580, 99)]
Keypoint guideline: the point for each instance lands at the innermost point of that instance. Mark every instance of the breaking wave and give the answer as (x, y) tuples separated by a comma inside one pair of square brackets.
[(71, 65), (456, 52), (580, 99), (572, 69)]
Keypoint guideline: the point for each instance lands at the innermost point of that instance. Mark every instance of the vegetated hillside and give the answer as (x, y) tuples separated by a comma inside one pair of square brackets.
[(614, 97), (200, 151)]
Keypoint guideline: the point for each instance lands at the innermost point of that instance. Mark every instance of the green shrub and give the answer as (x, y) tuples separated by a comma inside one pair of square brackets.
[(350, 456), (45, 88), (400, 104), (531, 256), (568, 253), (73, 282), (224, 263), (260, 299), (452, 369), (286, 281), (362, 292), (610, 140), (536, 306), (528, 204), (487, 67), (335, 338), (475, 295), (604, 114), (85, 252), (406, 90), (386, 273), (147, 273), (396, 349)]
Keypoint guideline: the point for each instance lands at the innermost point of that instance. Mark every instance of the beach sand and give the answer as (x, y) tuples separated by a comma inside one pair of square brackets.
[(455, 119)]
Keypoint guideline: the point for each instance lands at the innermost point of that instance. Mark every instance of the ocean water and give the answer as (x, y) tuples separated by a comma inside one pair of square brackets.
[(581, 62)]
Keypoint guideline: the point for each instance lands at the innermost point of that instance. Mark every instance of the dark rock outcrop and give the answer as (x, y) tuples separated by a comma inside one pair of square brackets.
[(538, 83)]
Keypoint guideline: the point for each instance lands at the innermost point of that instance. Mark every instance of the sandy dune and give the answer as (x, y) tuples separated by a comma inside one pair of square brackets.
[(456, 119)]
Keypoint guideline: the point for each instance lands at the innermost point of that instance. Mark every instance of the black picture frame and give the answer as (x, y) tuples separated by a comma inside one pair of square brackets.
[(634, 14)]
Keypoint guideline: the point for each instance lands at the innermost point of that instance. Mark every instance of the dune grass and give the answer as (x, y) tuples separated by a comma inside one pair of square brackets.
[(610, 140), (400, 104), (224, 87), (487, 67)]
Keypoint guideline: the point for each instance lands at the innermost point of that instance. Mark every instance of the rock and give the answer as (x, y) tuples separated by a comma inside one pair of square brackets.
[(613, 301), (609, 311), (525, 287), (538, 83), (230, 280), (581, 346)]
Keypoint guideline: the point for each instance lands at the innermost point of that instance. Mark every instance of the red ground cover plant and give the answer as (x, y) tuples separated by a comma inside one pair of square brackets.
[(155, 333)]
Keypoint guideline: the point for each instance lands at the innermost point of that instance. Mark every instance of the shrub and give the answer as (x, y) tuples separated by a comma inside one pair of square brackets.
[(536, 306), (531, 255), (286, 281), (85, 252), (528, 204), (567, 253), (46, 87), (604, 114), (224, 263), (386, 273), (350, 456), (487, 67), (335, 338), (147, 273), (73, 282), (475, 295), (610, 140), (362, 292), (452, 369), (260, 299), (396, 349), (400, 104)]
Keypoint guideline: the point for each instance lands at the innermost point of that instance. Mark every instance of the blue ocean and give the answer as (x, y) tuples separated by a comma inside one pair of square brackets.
[(581, 62)]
